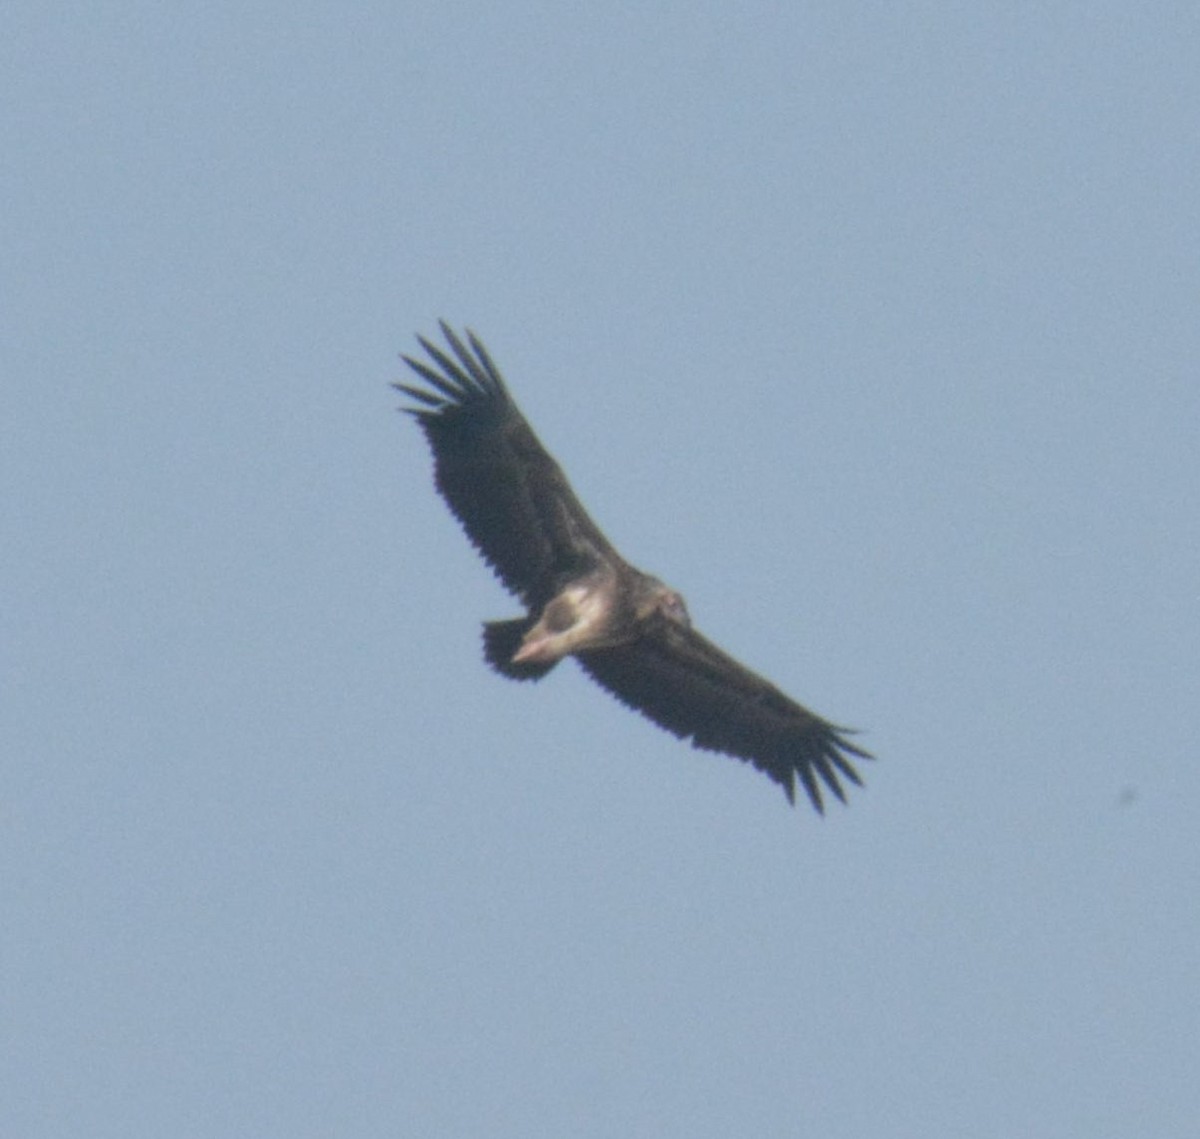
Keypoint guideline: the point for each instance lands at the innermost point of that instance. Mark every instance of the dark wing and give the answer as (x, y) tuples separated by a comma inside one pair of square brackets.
[(684, 683), (511, 497)]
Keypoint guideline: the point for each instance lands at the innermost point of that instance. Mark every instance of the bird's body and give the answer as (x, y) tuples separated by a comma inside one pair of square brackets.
[(628, 630)]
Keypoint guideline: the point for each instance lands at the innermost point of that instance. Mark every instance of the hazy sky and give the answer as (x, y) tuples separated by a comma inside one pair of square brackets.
[(874, 329)]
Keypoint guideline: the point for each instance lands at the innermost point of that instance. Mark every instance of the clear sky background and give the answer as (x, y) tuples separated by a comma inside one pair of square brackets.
[(874, 329)]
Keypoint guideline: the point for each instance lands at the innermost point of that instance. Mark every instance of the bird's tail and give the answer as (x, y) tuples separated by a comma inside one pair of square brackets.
[(501, 639)]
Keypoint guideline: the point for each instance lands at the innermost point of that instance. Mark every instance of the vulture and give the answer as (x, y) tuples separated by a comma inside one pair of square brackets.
[(630, 632)]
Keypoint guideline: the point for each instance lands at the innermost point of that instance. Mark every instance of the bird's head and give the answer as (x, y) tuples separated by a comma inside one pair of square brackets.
[(671, 605)]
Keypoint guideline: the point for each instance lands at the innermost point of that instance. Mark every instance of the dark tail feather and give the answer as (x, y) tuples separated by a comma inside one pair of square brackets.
[(501, 639)]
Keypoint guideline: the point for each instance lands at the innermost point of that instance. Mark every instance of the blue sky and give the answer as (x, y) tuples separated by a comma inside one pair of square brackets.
[(872, 329)]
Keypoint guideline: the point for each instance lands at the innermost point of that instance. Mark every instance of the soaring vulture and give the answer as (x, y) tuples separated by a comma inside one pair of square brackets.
[(629, 631)]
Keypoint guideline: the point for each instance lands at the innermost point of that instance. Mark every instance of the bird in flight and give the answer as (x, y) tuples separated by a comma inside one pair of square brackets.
[(630, 632)]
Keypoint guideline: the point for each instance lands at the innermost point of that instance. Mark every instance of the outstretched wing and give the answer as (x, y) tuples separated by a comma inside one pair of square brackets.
[(510, 496), (684, 683)]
